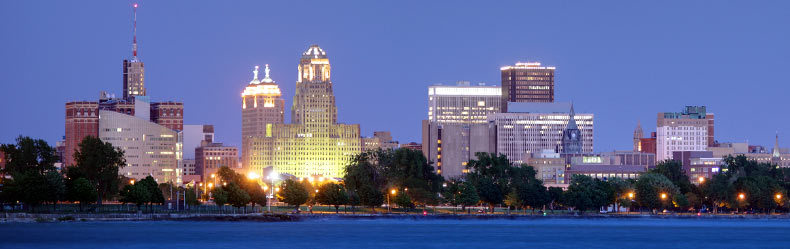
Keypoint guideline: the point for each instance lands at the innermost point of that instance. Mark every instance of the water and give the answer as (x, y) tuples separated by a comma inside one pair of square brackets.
[(405, 233)]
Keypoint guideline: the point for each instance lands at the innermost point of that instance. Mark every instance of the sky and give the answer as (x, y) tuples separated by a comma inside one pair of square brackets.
[(624, 61)]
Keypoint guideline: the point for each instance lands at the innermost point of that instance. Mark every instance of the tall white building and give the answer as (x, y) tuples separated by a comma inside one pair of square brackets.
[(149, 148), (533, 127), (457, 125), (690, 130)]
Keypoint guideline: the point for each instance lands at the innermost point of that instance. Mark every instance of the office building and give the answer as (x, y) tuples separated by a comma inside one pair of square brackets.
[(532, 127), (82, 120), (262, 106), (188, 166), (605, 172), (698, 165), (149, 148), (690, 130), (314, 143), (209, 157), (380, 140), (413, 146), (549, 166), (463, 104), (527, 82)]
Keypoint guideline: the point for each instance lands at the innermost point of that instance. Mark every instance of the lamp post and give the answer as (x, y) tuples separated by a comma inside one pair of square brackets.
[(389, 206), (273, 177)]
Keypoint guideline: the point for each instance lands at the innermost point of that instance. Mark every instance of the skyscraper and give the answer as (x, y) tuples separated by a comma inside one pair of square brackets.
[(689, 130), (457, 125), (262, 106), (314, 143), (133, 70), (527, 82)]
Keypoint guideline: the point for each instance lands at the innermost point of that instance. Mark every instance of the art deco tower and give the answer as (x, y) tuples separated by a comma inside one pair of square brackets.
[(262, 106), (133, 70), (313, 144)]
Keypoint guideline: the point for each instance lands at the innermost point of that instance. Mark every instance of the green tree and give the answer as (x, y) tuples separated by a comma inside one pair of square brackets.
[(137, 193), (403, 201), (293, 193), (30, 163), (27, 155), (673, 170), (512, 200), (237, 197), (365, 180), (468, 195), (332, 194), (56, 188), (620, 190), (191, 197), (655, 191), (82, 191), (220, 197), (490, 174), (409, 169), (28, 187), (585, 193), (227, 175), (555, 197), (155, 193), (99, 161)]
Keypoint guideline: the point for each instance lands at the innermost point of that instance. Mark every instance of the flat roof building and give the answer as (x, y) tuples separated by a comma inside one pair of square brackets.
[(527, 82)]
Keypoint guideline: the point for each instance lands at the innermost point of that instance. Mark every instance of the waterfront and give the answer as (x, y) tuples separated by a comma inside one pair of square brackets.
[(400, 233)]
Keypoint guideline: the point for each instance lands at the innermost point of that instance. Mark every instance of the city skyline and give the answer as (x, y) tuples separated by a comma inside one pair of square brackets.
[(601, 86)]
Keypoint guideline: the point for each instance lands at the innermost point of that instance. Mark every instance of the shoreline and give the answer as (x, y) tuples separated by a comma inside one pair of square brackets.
[(259, 217)]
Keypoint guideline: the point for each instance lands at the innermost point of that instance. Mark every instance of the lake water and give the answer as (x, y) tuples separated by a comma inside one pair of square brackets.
[(406, 233)]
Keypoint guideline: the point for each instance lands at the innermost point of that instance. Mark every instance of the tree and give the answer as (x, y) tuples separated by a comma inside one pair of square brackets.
[(620, 190), (585, 193), (56, 187), (27, 155), (191, 197), (673, 170), (137, 193), (29, 162), (409, 169), (490, 176), (28, 187), (220, 197), (655, 191), (99, 162), (155, 194), (365, 180), (293, 193), (227, 175), (332, 194), (467, 195), (82, 191), (403, 201), (513, 200), (237, 197), (555, 197)]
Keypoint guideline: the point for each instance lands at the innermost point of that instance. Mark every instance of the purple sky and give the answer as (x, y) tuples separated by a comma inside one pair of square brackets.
[(623, 61)]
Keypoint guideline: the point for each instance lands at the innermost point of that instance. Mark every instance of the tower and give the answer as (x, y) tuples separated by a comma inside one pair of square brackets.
[(638, 134), (572, 136), (262, 106), (776, 153), (527, 82), (133, 70), (314, 101)]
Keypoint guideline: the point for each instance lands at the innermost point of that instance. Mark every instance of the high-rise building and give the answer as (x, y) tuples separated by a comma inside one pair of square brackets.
[(463, 104), (169, 114), (262, 106), (532, 127), (638, 134), (82, 120), (149, 148), (457, 125), (690, 130), (209, 157), (527, 82), (133, 70), (314, 143)]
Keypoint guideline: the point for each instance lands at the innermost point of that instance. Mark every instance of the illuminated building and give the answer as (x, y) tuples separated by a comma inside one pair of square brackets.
[(463, 104), (380, 140), (457, 125), (605, 172), (412, 146), (149, 148), (690, 130), (698, 164), (262, 106), (532, 127), (133, 70), (638, 134), (527, 82), (314, 143), (209, 157)]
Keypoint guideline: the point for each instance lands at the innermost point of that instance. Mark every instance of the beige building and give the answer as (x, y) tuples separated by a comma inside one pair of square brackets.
[(380, 140), (314, 144), (262, 106), (550, 167), (209, 157), (690, 130), (149, 148)]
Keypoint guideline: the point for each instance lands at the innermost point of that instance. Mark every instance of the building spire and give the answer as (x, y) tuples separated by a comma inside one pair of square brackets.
[(776, 152), (134, 32), (572, 120), (266, 78), (255, 76)]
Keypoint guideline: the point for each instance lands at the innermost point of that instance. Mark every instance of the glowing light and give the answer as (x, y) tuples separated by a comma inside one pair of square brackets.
[(741, 196), (663, 196), (253, 175), (701, 179), (131, 181), (778, 196), (631, 195), (393, 191), (135, 5), (210, 185)]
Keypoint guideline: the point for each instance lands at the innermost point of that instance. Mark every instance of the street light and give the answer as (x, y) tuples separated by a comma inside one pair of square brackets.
[(131, 181), (631, 195), (663, 196), (389, 206), (701, 180), (252, 176), (741, 196), (778, 196), (273, 176)]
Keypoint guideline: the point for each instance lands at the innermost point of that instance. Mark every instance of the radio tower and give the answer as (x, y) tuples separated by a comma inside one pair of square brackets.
[(134, 31)]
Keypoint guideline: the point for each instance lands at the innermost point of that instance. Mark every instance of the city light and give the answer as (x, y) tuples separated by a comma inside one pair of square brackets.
[(252, 176), (131, 181), (393, 191), (210, 185), (213, 175), (663, 196), (778, 196), (631, 195), (701, 179), (741, 196)]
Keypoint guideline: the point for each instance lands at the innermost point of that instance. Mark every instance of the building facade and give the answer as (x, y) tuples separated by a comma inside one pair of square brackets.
[(149, 148), (690, 130), (262, 107), (82, 120), (532, 127), (527, 82), (380, 140), (209, 157), (463, 104), (314, 144)]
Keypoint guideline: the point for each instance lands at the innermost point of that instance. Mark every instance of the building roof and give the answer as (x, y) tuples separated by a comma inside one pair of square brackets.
[(603, 168)]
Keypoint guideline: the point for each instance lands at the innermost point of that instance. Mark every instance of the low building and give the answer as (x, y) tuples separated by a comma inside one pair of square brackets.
[(698, 165), (549, 166), (188, 167), (412, 146), (380, 140), (648, 145), (209, 157), (604, 172)]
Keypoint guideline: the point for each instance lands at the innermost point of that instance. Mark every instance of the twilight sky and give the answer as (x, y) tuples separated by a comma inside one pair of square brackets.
[(621, 60)]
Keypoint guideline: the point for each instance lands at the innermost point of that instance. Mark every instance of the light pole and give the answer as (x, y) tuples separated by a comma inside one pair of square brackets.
[(389, 206), (273, 177)]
